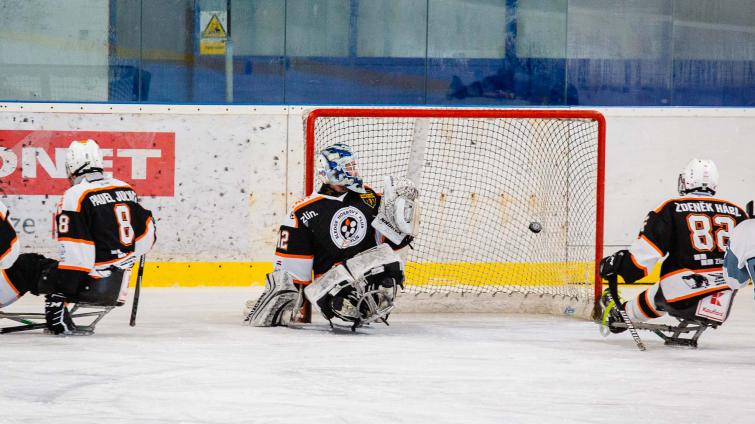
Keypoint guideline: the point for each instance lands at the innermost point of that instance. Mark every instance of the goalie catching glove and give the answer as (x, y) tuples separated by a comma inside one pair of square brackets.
[(398, 216)]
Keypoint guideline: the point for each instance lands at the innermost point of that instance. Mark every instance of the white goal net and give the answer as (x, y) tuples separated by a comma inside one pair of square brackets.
[(488, 181)]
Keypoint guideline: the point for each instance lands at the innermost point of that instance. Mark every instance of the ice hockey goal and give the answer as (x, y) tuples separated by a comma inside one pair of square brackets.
[(488, 181)]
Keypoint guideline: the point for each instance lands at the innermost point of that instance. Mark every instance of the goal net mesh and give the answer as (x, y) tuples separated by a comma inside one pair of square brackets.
[(486, 181)]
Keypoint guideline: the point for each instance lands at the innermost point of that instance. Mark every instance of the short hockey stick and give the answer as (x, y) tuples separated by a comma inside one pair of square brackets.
[(137, 291), (613, 296)]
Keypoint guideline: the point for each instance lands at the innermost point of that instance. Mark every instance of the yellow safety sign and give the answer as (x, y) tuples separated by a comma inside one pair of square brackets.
[(214, 29)]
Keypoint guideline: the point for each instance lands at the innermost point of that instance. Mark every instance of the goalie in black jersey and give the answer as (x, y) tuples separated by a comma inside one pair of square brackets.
[(337, 248), (101, 228), (692, 233)]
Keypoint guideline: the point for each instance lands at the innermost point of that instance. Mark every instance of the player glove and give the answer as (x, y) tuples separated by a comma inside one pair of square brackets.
[(57, 316), (610, 265)]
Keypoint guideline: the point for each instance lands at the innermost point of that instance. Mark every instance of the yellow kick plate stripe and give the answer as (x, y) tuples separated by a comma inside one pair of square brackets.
[(244, 274)]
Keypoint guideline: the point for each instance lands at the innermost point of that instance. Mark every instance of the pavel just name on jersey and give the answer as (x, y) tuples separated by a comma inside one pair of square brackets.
[(120, 196)]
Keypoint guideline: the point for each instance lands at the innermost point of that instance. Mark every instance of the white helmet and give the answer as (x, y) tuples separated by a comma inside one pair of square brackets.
[(699, 176), (83, 156), (336, 165)]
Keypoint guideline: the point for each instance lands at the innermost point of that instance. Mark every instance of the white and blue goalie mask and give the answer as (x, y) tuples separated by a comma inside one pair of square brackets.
[(336, 165)]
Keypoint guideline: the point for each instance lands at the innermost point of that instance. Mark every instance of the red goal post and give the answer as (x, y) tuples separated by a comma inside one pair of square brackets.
[(483, 176)]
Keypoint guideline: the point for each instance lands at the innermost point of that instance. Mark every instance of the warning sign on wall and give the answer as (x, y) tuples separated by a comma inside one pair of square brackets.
[(213, 34)]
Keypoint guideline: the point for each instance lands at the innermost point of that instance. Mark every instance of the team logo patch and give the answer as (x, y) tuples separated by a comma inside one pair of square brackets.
[(369, 199), (348, 227)]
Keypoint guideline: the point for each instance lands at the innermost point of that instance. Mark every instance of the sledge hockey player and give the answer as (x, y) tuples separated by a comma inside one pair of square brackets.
[(101, 228), (691, 232), (19, 273), (345, 234), (739, 261)]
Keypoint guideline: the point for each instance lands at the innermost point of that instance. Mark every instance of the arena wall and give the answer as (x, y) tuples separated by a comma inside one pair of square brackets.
[(219, 179)]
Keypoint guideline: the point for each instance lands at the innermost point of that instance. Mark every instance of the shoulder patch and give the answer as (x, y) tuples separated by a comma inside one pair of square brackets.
[(369, 199)]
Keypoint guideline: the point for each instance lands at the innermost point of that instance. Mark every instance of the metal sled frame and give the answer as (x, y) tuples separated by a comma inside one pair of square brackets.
[(672, 335), (31, 321)]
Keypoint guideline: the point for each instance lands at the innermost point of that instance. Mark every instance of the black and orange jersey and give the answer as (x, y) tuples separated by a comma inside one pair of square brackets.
[(691, 232), (100, 223), (9, 247), (9, 250), (325, 229)]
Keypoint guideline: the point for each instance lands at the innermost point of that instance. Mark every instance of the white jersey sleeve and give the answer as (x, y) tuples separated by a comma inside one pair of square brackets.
[(739, 261), (9, 246)]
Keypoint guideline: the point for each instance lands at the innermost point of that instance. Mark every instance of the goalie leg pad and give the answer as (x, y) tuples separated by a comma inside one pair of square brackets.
[(379, 272), (333, 293), (277, 302)]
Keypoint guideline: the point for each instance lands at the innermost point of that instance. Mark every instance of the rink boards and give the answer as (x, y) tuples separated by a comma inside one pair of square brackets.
[(241, 274), (221, 179)]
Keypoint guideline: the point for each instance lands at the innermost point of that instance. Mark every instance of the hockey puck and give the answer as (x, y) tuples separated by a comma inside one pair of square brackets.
[(535, 227)]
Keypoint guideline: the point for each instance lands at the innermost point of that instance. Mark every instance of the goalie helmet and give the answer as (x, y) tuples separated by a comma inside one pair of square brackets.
[(82, 157), (336, 165), (699, 176)]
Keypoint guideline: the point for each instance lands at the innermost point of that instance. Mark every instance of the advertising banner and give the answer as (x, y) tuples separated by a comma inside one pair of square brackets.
[(33, 162)]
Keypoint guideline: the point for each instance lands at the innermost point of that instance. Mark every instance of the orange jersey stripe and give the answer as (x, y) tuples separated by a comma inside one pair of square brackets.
[(639, 308), (650, 305), (637, 264), (291, 256), (302, 282), (10, 248), (75, 240), (113, 260), (307, 202), (149, 219), (94, 190), (73, 268), (689, 199), (709, 290), (10, 283), (696, 271), (647, 240)]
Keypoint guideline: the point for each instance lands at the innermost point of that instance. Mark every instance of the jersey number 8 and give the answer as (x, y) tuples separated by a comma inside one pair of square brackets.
[(125, 229)]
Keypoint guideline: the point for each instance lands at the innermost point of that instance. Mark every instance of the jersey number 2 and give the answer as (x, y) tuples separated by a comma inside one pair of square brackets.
[(702, 235), (123, 218)]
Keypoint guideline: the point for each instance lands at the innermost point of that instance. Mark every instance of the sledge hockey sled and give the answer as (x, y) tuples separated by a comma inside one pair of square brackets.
[(36, 321), (674, 335)]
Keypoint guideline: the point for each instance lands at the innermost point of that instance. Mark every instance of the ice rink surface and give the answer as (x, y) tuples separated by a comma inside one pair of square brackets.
[(189, 360)]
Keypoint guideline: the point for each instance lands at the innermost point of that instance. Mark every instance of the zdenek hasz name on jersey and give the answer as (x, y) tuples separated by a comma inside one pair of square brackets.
[(337, 247)]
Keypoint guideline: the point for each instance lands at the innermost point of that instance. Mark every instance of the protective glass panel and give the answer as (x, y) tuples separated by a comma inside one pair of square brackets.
[(714, 52), (356, 52), (60, 56), (620, 51), (412, 52), (492, 52)]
